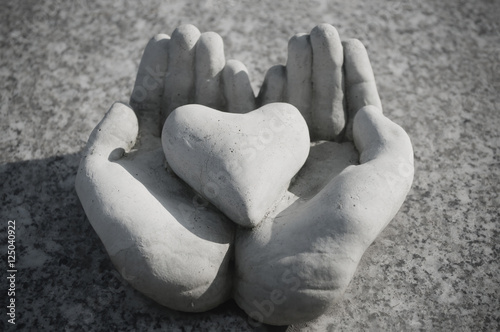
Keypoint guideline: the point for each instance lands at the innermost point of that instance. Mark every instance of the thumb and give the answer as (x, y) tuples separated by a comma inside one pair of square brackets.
[(378, 139), (237, 88), (368, 196), (114, 135), (386, 166)]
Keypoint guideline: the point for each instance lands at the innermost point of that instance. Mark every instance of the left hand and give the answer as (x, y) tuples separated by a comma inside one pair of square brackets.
[(163, 239)]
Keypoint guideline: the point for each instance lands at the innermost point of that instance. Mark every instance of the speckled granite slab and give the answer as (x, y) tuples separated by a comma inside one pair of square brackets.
[(437, 65)]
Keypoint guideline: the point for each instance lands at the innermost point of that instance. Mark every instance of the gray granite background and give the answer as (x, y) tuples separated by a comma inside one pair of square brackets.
[(437, 64)]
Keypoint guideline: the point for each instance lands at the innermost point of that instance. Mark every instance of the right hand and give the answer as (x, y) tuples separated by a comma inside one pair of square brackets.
[(297, 263)]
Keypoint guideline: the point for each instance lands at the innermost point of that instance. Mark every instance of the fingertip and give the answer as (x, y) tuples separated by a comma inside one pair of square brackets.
[(325, 38), (238, 91), (211, 38), (160, 37), (210, 52), (235, 66), (186, 36), (353, 43), (273, 87), (121, 123), (298, 42), (117, 131), (356, 62), (324, 29), (377, 136), (299, 51)]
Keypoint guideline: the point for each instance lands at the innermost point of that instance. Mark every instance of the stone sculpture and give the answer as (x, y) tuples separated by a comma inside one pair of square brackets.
[(214, 153), (173, 228)]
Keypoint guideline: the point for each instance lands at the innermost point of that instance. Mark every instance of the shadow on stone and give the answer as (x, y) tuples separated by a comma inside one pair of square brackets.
[(65, 279)]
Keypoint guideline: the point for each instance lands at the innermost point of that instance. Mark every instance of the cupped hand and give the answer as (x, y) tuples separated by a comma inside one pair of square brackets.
[(298, 262), (163, 238)]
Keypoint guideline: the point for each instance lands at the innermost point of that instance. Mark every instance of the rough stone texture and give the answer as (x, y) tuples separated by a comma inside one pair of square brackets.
[(435, 267)]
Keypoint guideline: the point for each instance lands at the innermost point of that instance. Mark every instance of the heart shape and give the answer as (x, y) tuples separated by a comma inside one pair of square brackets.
[(241, 163)]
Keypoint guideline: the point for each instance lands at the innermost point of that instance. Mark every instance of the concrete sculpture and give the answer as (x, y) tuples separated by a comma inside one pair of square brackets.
[(174, 216)]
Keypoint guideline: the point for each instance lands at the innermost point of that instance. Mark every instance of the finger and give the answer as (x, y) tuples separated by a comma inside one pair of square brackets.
[(328, 114), (210, 61), (238, 91), (114, 135), (298, 71), (149, 84), (386, 170), (361, 89), (180, 78), (273, 88)]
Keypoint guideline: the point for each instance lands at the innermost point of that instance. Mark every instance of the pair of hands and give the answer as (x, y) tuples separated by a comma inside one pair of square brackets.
[(173, 246)]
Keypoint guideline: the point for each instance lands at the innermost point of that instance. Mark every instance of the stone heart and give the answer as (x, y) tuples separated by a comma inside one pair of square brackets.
[(241, 163)]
